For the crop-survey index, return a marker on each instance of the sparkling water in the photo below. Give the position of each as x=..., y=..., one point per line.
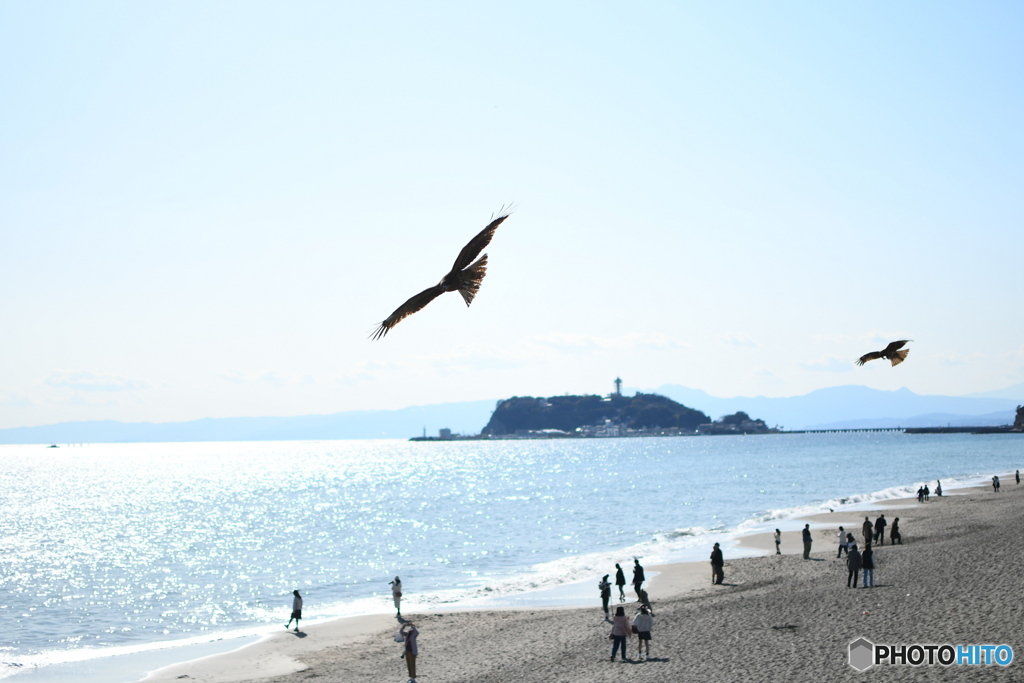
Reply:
x=121, y=547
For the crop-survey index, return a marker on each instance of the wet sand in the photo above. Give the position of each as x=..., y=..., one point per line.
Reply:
x=956, y=579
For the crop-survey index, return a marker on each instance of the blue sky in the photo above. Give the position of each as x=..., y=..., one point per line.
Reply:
x=206, y=207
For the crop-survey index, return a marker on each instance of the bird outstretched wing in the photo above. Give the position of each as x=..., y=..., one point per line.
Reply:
x=874, y=355
x=408, y=308
x=893, y=346
x=478, y=243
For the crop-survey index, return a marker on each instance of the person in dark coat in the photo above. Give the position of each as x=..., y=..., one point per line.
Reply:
x=894, y=533
x=853, y=563
x=867, y=562
x=638, y=576
x=867, y=529
x=717, y=566
x=606, y=594
x=880, y=525
x=620, y=581
x=807, y=541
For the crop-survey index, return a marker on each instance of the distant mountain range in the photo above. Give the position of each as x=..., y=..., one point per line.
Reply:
x=856, y=407
x=847, y=407
x=468, y=417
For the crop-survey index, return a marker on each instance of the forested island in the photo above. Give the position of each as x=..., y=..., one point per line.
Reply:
x=604, y=416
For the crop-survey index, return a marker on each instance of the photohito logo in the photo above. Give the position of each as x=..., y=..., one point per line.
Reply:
x=864, y=654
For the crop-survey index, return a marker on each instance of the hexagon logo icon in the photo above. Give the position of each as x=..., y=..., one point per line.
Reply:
x=862, y=654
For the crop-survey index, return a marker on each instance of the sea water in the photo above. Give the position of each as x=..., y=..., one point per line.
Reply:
x=119, y=548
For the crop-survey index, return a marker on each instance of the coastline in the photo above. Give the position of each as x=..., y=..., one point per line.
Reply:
x=806, y=596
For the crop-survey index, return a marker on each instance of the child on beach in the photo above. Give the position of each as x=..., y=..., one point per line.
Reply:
x=643, y=622
x=842, y=542
x=296, y=610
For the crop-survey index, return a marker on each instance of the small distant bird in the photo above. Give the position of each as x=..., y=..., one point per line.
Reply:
x=464, y=277
x=892, y=352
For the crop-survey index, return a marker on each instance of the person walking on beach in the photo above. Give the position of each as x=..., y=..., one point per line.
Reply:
x=995, y=483
x=621, y=629
x=867, y=562
x=880, y=525
x=778, y=542
x=717, y=566
x=606, y=594
x=396, y=594
x=867, y=529
x=842, y=542
x=643, y=622
x=920, y=494
x=807, y=541
x=853, y=563
x=296, y=610
x=409, y=632
x=927, y=493
x=620, y=581
x=938, y=488
x=638, y=576
x=894, y=533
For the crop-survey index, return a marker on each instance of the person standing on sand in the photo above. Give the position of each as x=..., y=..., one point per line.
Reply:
x=853, y=563
x=409, y=632
x=643, y=622
x=927, y=493
x=638, y=576
x=894, y=533
x=807, y=541
x=396, y=594
x=867, y=529
x=296, y=610
x=1018, y=477
x=920, y=494
x=995, y=483
x=621, y=629
x=880, y=525
x=842, y=542
x=620, y=581
x=717, y=566
x=778, y=542
x=606, y=594
x=867, y=561
x=938, y=488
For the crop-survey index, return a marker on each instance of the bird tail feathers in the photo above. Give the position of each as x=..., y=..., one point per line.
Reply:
x=471, y=278
x=899, y=356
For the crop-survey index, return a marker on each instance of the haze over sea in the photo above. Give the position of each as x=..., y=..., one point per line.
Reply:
x=115, y=548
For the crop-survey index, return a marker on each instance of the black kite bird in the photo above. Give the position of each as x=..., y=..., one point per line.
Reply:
x=464, y=277
x=892, y=352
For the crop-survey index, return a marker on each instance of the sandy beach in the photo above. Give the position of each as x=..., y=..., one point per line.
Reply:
x=956, y=579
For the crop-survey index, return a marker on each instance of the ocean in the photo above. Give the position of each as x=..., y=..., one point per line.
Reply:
x=112, y=552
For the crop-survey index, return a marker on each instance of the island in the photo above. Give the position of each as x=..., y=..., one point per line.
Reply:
x=593, y=416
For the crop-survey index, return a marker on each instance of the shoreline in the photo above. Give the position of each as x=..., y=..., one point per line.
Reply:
x=268, y=657
x=671, y=583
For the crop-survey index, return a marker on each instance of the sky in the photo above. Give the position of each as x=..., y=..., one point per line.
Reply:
x=206, y=208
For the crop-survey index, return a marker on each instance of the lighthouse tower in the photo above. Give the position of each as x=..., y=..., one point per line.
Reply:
x=618, y=387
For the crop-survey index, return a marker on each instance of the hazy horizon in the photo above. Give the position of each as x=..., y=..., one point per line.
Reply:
x=208, y=208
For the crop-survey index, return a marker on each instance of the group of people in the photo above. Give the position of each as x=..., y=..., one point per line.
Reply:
x=622, y=627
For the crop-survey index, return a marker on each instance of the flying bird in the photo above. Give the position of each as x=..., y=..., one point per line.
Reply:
x=892, y=352
x=464, y=277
